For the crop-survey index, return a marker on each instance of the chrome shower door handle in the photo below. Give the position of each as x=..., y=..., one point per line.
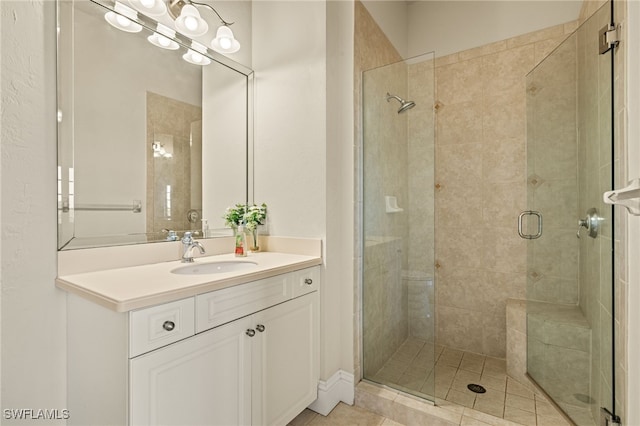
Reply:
x=530, y=236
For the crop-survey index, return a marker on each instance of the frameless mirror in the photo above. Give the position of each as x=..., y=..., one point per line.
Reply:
x=148, y=143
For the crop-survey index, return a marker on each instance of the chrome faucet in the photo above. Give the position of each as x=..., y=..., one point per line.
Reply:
x=188, y=244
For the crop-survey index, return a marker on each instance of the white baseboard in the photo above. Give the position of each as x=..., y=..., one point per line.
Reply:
x=339, y=387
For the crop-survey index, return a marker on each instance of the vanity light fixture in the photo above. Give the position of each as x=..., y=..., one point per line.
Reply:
x=163, y=38
x=197, y=54
x=189, y=22
x=186, y=20
x=123, y=18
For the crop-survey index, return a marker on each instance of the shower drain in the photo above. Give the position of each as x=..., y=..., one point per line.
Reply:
x=476, y=388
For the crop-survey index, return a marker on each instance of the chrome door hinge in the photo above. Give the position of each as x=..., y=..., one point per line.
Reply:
x=607, y=418
x=609, y=38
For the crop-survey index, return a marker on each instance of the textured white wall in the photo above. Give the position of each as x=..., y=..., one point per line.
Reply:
x=340, y=207
x=290, y=125
x=33, y=310
x=304, y=146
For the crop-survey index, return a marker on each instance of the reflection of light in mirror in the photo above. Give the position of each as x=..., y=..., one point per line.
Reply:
x=122, y=18
x=196, y=58
x=159, y=151
x=163, y=38
x=167, y=208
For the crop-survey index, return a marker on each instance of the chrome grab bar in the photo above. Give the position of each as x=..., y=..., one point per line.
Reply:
x=530, y=236
x=135, y=207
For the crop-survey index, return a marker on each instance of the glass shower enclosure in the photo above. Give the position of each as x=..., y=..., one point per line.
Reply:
x=569, y=278
x=398, y=226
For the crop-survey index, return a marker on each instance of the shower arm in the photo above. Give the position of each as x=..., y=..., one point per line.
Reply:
x=389, y=96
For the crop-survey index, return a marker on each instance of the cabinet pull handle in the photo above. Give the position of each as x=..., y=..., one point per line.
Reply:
x=308, y=281
x=250, y=332
x=260, y=328
x=169, y=325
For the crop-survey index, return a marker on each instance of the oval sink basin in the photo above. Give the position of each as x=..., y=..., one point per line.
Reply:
x=214, y=267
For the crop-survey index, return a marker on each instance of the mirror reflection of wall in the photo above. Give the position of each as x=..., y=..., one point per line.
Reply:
x=114, y=71
x=133, y=128
x=174, y=162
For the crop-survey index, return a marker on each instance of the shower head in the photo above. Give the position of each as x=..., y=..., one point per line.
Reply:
x=404, y=105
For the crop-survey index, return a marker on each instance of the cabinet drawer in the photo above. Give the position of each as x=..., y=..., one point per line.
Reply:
x=221, y=306
x=306, y=280
x=151, y=328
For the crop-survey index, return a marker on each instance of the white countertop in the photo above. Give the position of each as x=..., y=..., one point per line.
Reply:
x=135, y=287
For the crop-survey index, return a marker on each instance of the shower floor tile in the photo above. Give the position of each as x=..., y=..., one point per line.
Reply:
x=412, y=368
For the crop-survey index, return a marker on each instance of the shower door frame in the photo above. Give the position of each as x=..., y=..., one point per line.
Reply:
x=605, y=413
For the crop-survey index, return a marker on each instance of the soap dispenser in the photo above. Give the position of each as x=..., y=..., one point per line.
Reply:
x=205, y=228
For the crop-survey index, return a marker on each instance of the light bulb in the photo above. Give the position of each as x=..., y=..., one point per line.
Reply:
x=225, y=43
x=149, y=7
x=191, y=23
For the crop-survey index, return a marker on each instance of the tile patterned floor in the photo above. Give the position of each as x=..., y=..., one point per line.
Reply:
x=412, y=368
x=342, y=415
x=505, y=402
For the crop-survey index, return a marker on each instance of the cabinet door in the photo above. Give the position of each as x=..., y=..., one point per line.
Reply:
x=285, y=360
x=202, y=380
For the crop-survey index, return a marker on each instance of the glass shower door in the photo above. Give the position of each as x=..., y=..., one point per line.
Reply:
x=398, y=226
x=569, y=278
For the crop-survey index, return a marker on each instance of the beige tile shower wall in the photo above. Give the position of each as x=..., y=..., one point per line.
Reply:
x=385, y=318
x=371, y=49
x=552, y=168
x=385, y=325
x=177, y=125
x=421, y=163
x=481, y=187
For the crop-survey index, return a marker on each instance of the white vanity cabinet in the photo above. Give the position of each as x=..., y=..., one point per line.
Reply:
x=249, y=356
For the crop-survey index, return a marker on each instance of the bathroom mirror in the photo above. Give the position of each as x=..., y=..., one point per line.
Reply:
x=148, y=143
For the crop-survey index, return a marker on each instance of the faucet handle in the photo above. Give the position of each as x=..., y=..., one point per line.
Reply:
x=187, y=238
